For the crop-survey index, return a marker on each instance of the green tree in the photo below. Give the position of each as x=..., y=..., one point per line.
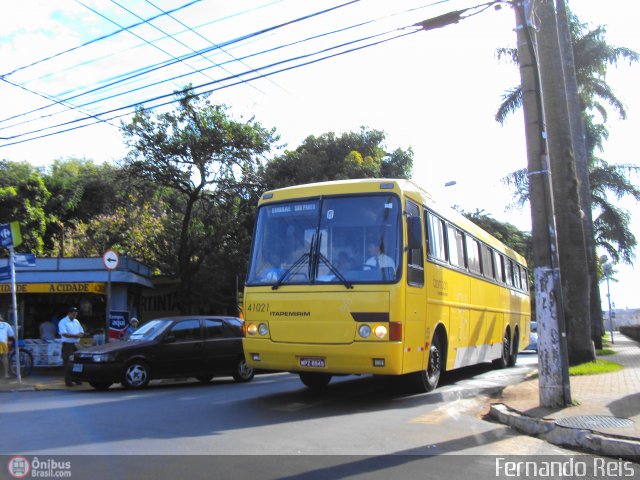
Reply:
x=23, y=197
x=202, y=155
x=80, y=190
x=507, y=233
x=593, y=55
x=332, y=157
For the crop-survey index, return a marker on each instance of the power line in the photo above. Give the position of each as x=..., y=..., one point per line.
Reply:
x=233, y=77
x=207, y=40
x=161, y=97
x=184, y=57
x=120, y=30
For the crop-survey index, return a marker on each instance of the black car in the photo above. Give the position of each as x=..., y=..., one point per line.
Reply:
x=171, y=347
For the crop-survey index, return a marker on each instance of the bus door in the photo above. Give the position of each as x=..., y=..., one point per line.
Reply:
x=416, y=301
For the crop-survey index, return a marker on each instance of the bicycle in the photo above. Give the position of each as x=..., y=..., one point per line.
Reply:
x=26, y=361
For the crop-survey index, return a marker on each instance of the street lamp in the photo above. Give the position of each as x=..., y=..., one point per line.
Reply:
x=607, y=272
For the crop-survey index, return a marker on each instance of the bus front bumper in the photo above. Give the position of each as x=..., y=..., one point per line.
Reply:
x=375, y=358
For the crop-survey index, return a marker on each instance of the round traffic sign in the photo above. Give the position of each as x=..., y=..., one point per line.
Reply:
x=110, y=259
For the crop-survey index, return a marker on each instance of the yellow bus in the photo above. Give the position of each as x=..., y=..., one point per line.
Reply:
x=373, y=277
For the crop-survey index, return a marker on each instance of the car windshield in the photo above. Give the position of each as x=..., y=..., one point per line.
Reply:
x=150, y=330
x=341, y=240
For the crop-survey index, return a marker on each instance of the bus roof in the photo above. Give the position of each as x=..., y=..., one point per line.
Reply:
x=399, y=186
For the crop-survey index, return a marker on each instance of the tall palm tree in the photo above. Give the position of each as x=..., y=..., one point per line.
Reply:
x=593, y=55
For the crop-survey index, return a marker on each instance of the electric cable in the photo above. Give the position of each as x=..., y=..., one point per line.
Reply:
x=172, y=62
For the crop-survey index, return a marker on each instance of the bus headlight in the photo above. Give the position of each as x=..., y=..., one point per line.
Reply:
x=252, y=329
x=263, y=329
x=364, y=331
x=380, y=331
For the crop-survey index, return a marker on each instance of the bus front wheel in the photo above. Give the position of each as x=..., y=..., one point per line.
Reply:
x=315, y=380
x=427, y=380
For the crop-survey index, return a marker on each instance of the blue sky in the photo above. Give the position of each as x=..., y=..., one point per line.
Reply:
x=435, y=91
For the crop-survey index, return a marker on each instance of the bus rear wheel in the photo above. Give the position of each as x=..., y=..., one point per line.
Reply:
x=503, y=361
x=427, y=380
x=314, y=380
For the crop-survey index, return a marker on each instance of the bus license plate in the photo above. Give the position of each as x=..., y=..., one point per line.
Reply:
x=77, y=367
x=312, y=362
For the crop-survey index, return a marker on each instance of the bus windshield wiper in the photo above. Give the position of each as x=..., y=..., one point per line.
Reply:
x=335, y=270
x=292, y=269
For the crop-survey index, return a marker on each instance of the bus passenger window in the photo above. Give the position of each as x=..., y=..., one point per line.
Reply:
x=499, y=267
x=525, y=279
x=435, y=234
x=456, y=246
x=509, y=273
x=487, y=262
x=473, y=255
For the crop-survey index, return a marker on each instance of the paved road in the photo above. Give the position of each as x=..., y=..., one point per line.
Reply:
x=275, y=415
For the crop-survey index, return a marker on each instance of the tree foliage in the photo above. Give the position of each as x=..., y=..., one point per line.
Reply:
x=201, y=154
x=23, y=197
x=593, y=55
x=338, y=157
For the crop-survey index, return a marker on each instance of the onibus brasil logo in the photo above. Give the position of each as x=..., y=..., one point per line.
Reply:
x=21, y=467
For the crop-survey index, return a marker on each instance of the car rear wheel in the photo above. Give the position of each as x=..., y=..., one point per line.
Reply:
x=243, y=372
x=136, y=374
x=204, y=378
x=315, y=380
x=100, y=385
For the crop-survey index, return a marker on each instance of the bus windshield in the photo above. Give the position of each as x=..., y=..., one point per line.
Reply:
x=343, y=240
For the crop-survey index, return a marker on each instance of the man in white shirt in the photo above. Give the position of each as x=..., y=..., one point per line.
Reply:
x=378, y=259
x=6, y=334
x=71, y=332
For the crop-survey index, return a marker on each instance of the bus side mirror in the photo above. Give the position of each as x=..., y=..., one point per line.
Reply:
x=414, y=233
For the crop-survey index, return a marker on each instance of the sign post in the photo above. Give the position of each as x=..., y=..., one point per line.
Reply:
x=10, y=237
x=110, y=259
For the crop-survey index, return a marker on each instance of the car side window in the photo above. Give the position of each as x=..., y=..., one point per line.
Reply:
x=186, y=330
x=213, y=328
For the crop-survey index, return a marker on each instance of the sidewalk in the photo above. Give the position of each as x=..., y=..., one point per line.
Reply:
x=605, y=419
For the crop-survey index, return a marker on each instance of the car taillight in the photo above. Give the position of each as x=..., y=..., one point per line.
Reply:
x=395, y=331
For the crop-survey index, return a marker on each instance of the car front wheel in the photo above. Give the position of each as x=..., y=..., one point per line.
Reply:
x=136, y=374
x=243, y=372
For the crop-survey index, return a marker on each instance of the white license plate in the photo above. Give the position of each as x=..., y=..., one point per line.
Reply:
x=312, y=362
x=77, y=367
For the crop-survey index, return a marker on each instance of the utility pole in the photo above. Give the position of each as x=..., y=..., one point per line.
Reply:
x=555, y=389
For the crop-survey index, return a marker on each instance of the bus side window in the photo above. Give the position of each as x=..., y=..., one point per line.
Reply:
x=525, y=279
x=473, y=255
x=456, y=246
x=435, y=237
x=488, y=266
x=499, y=267
x=415, y=260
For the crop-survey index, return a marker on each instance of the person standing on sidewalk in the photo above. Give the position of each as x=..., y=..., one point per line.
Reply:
x=6, y=334
x=71, y=332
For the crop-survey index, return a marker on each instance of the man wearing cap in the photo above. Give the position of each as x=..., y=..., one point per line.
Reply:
x=71, y=332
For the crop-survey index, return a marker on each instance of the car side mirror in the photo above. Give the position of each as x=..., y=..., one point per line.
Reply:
x=169, y=339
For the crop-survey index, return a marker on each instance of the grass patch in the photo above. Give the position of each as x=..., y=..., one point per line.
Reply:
x=605, y=351
x=594, y=368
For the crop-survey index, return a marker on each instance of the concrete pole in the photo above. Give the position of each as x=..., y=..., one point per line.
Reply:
x=552, y=354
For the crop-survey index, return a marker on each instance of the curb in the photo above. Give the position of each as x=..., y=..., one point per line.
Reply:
x=584, y=439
